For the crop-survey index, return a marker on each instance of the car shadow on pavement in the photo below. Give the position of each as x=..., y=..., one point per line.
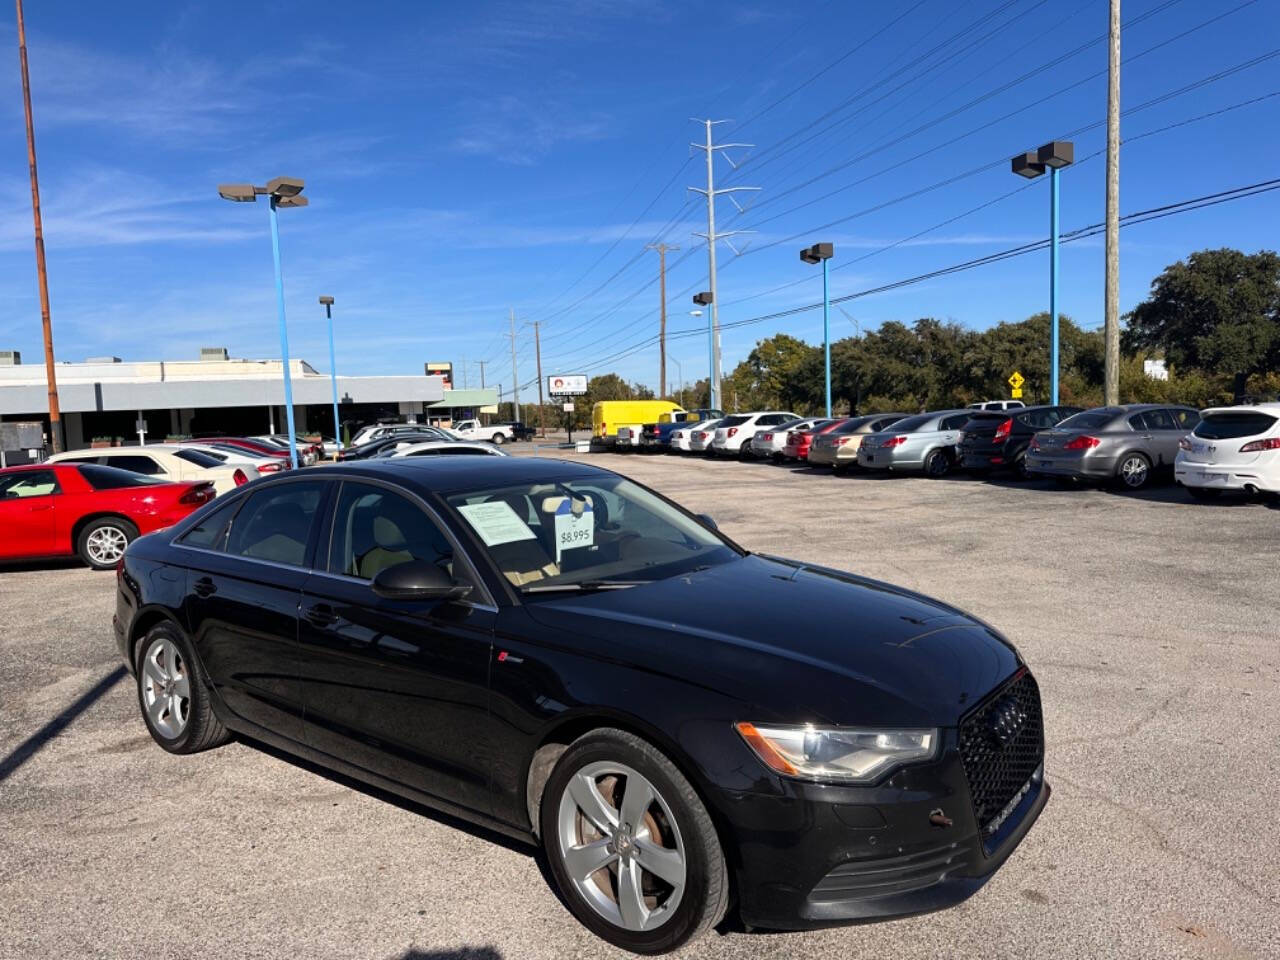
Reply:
x=29, y=747
x=456, y=953
x=33, y=566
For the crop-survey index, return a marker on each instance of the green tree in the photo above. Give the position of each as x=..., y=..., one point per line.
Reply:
x=1217, y=311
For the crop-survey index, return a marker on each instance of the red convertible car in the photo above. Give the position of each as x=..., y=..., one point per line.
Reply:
x=59, y=510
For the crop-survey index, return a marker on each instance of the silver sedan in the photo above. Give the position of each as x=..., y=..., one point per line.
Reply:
x=925, y=443
x=1126, y=443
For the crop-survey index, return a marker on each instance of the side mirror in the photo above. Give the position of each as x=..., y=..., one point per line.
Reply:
x=708, y=521
x=417, y=580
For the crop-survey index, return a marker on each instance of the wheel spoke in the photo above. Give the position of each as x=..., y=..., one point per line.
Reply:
x=181, y=686
x=583, y=861
x=594, y=807
x=155, y=710
x=636, y=797
x=631, y=897
x=663, y=863
x=153, y=671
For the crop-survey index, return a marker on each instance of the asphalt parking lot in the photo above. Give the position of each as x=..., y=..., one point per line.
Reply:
x=1151, y=623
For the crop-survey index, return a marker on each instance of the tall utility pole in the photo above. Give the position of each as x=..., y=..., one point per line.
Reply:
x=711, y=237
x=50, y=372
x=515, y=375
x=537, y=350
x=662, y=249
x=1111, y=317
x=482, y=363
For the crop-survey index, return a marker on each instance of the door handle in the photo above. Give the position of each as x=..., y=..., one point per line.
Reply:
x=321, y=615
x=204, y=587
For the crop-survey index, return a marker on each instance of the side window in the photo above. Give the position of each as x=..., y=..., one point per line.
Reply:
x=275, y=524
x=1186, y=419
x=1160, y=420
x=28, y=483
x=375, y=528
x=135, y=463
x=1139, y=422
x=954, y=423
x=84, y=459
x=211, y=532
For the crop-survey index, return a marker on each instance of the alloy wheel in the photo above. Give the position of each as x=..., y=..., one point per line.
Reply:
x=1133, y=471
x=106, y=545
x=621, y=847
x=166, y=688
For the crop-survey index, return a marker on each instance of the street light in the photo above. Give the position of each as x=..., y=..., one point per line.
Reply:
x=821, y=253
x=280, y=192
x=1055, y=156
x=703, y=299
x=333, y=373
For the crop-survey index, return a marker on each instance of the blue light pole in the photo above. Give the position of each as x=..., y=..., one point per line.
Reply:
x=333, y=373
x=280, y=192
x=822, y=252
x=1053, y=156
x=705, y=299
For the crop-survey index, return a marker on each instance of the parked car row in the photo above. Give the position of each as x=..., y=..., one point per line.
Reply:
x=1206, y=451
x=93, y=503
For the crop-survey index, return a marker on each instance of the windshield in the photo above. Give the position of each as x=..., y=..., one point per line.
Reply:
x=592, y=532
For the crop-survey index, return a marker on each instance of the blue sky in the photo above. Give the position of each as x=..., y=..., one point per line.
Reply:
x=466, y=159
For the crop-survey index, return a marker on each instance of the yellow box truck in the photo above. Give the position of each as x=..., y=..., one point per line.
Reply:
x=608, y=416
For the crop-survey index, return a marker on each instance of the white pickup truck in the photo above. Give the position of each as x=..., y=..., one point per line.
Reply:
x=473, y=430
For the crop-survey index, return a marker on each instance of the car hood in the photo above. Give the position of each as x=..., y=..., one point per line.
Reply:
x=794, y=642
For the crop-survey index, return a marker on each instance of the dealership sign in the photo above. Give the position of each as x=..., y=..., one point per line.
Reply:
x=567, y=385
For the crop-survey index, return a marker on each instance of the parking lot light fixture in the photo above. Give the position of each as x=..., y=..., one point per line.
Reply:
x=327, y=303
x=280, y=192
x=822, y=253
x=1053, y=156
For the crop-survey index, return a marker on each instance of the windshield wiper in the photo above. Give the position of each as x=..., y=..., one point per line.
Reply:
x=583, y=586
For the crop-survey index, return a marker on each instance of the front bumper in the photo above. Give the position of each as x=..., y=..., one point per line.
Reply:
x=826, y=855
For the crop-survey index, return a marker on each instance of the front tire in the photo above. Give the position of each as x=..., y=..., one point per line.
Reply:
x=630, y=845
x=173, y=693
x=102, y=543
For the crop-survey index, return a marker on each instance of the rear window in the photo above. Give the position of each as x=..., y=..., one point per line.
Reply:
x=851, y=426
x=1228, y=426
x=198, y=457
x=1089, y=420
x=111, y=478
x=911, y=424
x=733, y=421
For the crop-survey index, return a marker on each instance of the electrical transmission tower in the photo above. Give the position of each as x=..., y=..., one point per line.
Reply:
x=662, y=249
x=711, y=237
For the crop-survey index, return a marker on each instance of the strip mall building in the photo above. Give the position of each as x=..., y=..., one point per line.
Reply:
x=104, y=397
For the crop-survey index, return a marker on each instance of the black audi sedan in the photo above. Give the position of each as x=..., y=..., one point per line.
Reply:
x=556, y=652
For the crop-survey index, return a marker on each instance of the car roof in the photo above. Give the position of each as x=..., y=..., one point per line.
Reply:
x=1270, y=408
x=451, y=474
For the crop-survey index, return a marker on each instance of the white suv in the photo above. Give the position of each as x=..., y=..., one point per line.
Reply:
x=1231, y=448
x=734, y=430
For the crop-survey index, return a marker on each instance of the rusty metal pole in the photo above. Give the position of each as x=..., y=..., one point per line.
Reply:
x=55, y=414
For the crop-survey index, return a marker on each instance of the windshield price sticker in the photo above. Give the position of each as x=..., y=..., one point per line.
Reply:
x=575, y=525
x=496, y=522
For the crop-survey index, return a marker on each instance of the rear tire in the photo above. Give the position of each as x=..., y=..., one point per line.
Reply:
x=1133, y=471
x=1020, y=470
x=102, y=542
x=602, y=778
x=173, y=694
x=499, y=439
x=937, y=464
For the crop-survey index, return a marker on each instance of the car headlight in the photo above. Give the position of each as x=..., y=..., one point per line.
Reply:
x=837, y=753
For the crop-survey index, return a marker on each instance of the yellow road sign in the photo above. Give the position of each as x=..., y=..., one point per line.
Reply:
x=1016, y=381
x=1017, y=393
